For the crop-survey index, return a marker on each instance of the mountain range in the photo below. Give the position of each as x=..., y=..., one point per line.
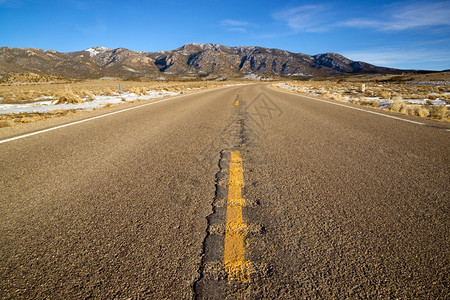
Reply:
x=190, y=60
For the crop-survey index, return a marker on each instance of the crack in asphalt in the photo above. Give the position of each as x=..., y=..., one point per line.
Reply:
x=197, y=287
x=212, y=278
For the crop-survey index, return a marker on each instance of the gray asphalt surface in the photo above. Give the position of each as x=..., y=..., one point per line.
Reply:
x=340, y=203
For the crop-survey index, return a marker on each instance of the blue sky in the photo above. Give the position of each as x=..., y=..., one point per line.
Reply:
x=399, y=34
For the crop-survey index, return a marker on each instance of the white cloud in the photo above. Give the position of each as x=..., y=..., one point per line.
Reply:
x=235, y=25
x=395, y=17
x=407, y=16
x=401, y=58
x=309, y=18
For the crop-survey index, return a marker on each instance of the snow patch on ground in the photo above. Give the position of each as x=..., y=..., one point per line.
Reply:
x=98, y=102
x=252, y=76
x=289, y=87
x=313, y=92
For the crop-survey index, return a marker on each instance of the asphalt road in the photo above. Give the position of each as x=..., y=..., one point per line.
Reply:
x=336, y=202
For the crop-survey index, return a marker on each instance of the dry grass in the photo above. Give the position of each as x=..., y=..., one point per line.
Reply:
x=11, y=93
x=397, y=104
x=6, y=123
x=108, y=92
x=375, y=103
x=69, y=98
x=382, y=89
x=337, y=97
x=385, y=95
x=81, y=91
x=138, y=90
x=87, y=95
x=30, y=78
x=8, y=120
x=438, y=111
x=423, y=111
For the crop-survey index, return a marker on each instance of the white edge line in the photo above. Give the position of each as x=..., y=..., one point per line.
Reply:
x=101, y=116
x=351, y=107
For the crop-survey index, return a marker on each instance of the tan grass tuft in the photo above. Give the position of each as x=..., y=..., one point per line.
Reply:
x=69, y=98
x=375, y=103
x=422, y=111
x=138, y=90
x=385, y=95
x=397, y=104
x=438, y=111
x=6, y=123
x=336, y=96
x=108, y=92
x=86, y=94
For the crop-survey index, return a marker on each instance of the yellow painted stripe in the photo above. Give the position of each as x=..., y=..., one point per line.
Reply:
x=236, y=266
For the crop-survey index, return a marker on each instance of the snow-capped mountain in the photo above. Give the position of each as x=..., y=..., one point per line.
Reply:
x=97, y=50
x=219, y=59
x=189, y=60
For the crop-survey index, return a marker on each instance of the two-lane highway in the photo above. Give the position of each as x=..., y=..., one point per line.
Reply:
x=239, y=192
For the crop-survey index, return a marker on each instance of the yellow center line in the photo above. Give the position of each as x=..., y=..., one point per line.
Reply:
x=236, y=266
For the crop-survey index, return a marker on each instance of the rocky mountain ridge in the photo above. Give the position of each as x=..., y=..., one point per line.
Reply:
x=191, y=60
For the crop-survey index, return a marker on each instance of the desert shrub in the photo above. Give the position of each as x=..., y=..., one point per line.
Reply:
x=404, y=109
x=397, y=104
x=413, y=110
x=438, y=111
x=326, y=94
x=385, y=95
x=108, y=92
x=365, y=101
x=423, y=111
x=143, y=91
x=70, y=98
x=137, y=90
x=337, y=97
x=86, y=95
x=444, y=96
x=133, y=90
x=375, y=103
x=8, y=99
x=323, y=90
